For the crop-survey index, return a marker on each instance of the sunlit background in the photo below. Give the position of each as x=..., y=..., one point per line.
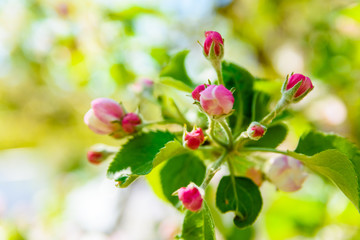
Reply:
x=57, y=55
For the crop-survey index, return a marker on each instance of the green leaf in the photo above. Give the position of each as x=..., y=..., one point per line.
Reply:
x=179, y=85
x=243, y=81
x=315, y=142
x=198, y=225
x=137, y=156
x=274, y=136
x=337, y=167
x=176, y=69
x=170, y=150
x=178, y=172
x=241, y=195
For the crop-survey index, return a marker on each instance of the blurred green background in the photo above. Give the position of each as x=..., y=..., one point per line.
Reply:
x=56, y=56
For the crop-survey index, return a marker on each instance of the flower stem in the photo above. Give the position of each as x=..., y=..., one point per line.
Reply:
x=218, y=69
x=213, y=169
x=280, y=106
x=182, y=117
x=227, y=129
x=232, y=176
x=257, y=149
x=212, y=134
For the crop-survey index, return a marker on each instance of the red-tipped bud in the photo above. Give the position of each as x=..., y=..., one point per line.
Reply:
x=287, y=173
x=295, y=89
x=212, y=37
x=256, y=131
x=196, y=93
x=129, y=122
x=104, y=115
x=255, y=175
x=95, y=157
x=191, y=197
x=216, y=100
x=100, y=153
x=194, y=138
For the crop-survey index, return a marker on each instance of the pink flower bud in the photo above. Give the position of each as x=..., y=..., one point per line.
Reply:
x=305, y=86
x=287, y=173
x=102, y=117
x=194, y=138
x=216, y=100
x=255, y=175
x=256, y=131
x=213, y=37
x=130, y=121
x=190, y=197
x=196, y=93
x=95, y=157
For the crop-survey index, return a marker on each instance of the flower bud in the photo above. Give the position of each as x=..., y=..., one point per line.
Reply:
x=216, y=100
x=196, y=93
x=194, y=138
x=256, y=131
x=287, y=173
x=213, y=45
x=297, y=86
x=104, y=116
x=95, y=157
x=129, y=122
x=190, y=197
x=99, y=153
x=255, y=175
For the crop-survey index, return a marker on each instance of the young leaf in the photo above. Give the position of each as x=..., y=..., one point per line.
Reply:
x=240, y=195
x=137, y=156
x=198, y=225
x=315, y=142
x=179, y=171
x=179, y=85
x=337, y=167
x=243, y=81
x=176, y=69
x=274, y=136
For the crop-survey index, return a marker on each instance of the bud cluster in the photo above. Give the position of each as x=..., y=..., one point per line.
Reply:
x=107, y=116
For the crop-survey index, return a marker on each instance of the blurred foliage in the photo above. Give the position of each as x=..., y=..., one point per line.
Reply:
x=56, y=56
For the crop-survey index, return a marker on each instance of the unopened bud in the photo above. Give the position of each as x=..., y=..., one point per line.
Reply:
x=129, y=122
x=296, y=87
x=213, y=45
x=104, y=116
x=194, y=138
x=100, y=153
x=196, y=93
x=256, y=131
x=287, y=173
x=190, y=197
x=216, y=100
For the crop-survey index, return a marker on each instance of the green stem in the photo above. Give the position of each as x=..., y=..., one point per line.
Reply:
x=257, y=149
x=183, y=119
x=145, y=124
x=212, y=134
x=232, y=176
x=240, y=140
x=213, y=169
x=227, y=129
x=218, y=69
x=280, y=106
